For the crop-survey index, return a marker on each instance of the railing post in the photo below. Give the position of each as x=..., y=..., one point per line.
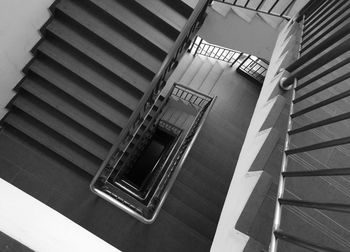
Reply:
x=240, y=55
x=194, y=41
x=200, y=42
x=240, y=65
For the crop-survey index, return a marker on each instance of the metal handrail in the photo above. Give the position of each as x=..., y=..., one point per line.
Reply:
x=202, y=47
x=256, y=68
x=259, y=8
x=126, y=201
x=337, y=44
x=144, y=107
x=182, y=153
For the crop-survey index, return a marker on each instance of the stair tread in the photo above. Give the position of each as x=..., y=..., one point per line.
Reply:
x=199, y=186
x=114, y=63
x=189, y=217
x=182, y=119
x=191, y=198
x=54, y=142
x=165, y=12
x=200, y=76
x=73, y=108
x=152, y=18
x=211, y=79
x=191, y=71
x=109, y=32
x=135, y=22
x=61, y=81
x=212, y=179
x=110, y=85
x=180, y=6
x=62, y=125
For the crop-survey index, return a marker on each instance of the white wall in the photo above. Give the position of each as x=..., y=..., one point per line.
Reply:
x=21, y=216
x=20, y=21
x=256, y=37
x=41, y=228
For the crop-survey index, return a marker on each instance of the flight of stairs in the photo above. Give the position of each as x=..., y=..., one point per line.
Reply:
x=199, y=73
x=327, y=229
x=249, y=15
x=179, y=113
x=89, y=71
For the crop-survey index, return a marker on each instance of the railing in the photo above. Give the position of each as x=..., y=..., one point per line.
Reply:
x=126, y=200
x=254, y=67
x=272, y=9
x=249, y=65
x=140, y=114
x=202, y=47
x=195, y=98
x=325, y=37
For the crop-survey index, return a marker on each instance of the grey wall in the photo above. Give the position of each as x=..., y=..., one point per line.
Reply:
x=20, y=21
x=256, y=37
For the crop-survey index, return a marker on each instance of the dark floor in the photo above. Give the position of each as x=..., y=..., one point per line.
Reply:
x=60, y=185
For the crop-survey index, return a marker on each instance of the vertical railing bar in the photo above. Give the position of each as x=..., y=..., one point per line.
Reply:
x=260, y=4
x=288, y=6
x=319, y=30
x=273, y=6
x=322, y=19
x=195, y=52
x=281, y=183
x=193, y=43
x=240, y=55
x=316, y=11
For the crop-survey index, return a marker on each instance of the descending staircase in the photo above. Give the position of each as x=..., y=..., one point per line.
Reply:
x=199, y=73
x=91, y=68
x=272, y=12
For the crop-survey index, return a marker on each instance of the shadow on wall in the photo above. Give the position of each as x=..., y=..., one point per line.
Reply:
x=20, y=21
x=256, y=38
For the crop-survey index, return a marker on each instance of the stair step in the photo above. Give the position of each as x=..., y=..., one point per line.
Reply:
x=196, y=201
x=165, y=12
x=180, y=7
x=72, y=108
x=191, y=3
x=189, y=217
x=211, y=79
x=175, y=116
x=191, y=71
x=181, y=120
x=316, y=226
x=117, y=63
x=134, y=22
x=62, y=125
x=110, y=32
x=213, y=195
x=74, y=87
x=200, y=76
x=167, y=114
x=153, y=18
x=274, y=22
x=183, y=65
x=212, y=179
x=246, y=15
x=189, y=121
x=53, y=141
x=92, y=73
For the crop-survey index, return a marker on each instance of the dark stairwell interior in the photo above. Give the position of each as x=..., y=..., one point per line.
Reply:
x=90, y=70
